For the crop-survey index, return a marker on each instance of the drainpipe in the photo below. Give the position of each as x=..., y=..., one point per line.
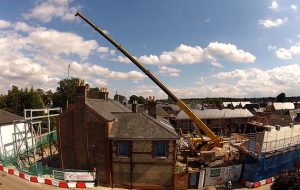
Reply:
x=131, y=165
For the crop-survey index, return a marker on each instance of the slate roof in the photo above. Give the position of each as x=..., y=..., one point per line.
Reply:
x=6, y=117
x=105, y=108
x=217, y=114
x=141, y=126
x=283, y=106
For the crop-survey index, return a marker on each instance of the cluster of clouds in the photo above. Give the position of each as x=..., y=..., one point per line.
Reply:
x=251, y=82
x=47, y=10
x=40, y=56
x=276, y=22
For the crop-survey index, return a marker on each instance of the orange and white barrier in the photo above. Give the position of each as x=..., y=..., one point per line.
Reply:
x=35, y=179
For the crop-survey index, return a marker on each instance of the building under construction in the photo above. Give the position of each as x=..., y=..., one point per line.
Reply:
x=270, y=152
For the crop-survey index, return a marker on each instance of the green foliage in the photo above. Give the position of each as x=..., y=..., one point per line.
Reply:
x=280, y=97
x=139, y=99
x=17, y=100
x=66, y=92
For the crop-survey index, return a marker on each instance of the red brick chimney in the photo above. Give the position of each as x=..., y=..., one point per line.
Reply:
x=81, y=92
x=151, y=105
x=103, y=94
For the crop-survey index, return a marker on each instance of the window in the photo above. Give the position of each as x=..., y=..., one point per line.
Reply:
x=160, y=149
x=123, y=148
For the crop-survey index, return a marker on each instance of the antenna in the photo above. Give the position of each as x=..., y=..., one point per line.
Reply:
x=69, y=66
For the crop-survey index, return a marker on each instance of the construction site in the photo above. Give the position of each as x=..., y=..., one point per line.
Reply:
x=175, y=145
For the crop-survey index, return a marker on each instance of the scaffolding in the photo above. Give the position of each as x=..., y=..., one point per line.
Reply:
x=30, y=138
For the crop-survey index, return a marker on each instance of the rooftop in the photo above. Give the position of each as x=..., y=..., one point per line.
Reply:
x=217, y=114
x=141, y=126
x=7, y=118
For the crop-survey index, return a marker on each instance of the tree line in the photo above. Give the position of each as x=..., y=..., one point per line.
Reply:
x=17, y=99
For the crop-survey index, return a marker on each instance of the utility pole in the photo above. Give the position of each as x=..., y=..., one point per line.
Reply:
x=68, y=80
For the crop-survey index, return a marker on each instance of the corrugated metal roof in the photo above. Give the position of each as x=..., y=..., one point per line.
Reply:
x=140, y=126
x=105, y=108
x=283, y=106
x=6, y=117
x=217, y=114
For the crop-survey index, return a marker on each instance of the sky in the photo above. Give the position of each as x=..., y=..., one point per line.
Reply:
x=207, y=48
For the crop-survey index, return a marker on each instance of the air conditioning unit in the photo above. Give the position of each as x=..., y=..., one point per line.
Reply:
x=277, y=127
x=291, y=125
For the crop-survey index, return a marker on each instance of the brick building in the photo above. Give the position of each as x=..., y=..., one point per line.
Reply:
x=126, y=149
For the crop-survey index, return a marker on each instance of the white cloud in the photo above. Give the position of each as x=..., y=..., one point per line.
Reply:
x=230, y=52
x=257, y=82
x=4, y=24
x=181, y=55
x=271, y=47
x=282, y=53
x=252, y=82
x=56, y=42
x=269, y=23
x=103, y=49
x=274, y=5
x=185, y=54
x=164, y=70
x=45, y=11
x=294, y=7
x=39, y=57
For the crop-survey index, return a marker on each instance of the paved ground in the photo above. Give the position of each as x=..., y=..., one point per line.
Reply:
x=10, y=182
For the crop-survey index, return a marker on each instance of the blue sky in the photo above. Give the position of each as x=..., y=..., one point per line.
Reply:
x=247, y=48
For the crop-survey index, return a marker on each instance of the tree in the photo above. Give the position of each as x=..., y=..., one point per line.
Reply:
x=17, y=100
x=66, y=92
x=280, y=97
x=139, y=99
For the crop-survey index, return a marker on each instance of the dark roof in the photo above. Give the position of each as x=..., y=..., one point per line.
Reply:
x=141, y=126
x=6, y=117
x=105, y=108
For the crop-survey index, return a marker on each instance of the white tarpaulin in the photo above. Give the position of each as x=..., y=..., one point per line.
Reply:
x=215, y=176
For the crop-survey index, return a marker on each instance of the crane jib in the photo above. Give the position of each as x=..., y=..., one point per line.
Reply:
x=215, y=140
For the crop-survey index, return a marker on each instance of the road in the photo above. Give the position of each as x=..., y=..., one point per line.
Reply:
x=11, y=182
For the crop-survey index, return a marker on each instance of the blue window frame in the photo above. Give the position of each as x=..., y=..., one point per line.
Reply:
x=123, y=148
x=160, y=149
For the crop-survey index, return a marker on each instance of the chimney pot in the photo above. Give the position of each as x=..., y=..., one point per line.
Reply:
x=103, y=94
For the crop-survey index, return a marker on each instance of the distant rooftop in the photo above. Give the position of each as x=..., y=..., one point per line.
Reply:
x=218, y=114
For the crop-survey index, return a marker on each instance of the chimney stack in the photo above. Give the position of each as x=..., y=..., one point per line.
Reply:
x=81, y=92
x=103, y=94
x=151, y=104
x=134, y=106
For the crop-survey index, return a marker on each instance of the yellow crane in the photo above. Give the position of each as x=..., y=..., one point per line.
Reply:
x=214, y=141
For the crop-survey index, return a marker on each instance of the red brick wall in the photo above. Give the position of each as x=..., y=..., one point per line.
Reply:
x=79, y=129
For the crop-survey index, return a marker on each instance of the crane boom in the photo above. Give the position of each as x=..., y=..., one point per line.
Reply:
x=216, y=141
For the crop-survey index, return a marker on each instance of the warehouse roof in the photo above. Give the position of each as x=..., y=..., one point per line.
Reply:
x=141, y=126
x=6, y=117
x=105, y=108
x=217, y=114
x=283, y=106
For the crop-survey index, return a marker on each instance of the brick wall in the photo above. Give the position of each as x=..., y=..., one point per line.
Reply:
x=147, y=171
x=82, y=141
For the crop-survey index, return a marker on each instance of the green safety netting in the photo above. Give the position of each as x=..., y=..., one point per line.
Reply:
x=10, y=158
